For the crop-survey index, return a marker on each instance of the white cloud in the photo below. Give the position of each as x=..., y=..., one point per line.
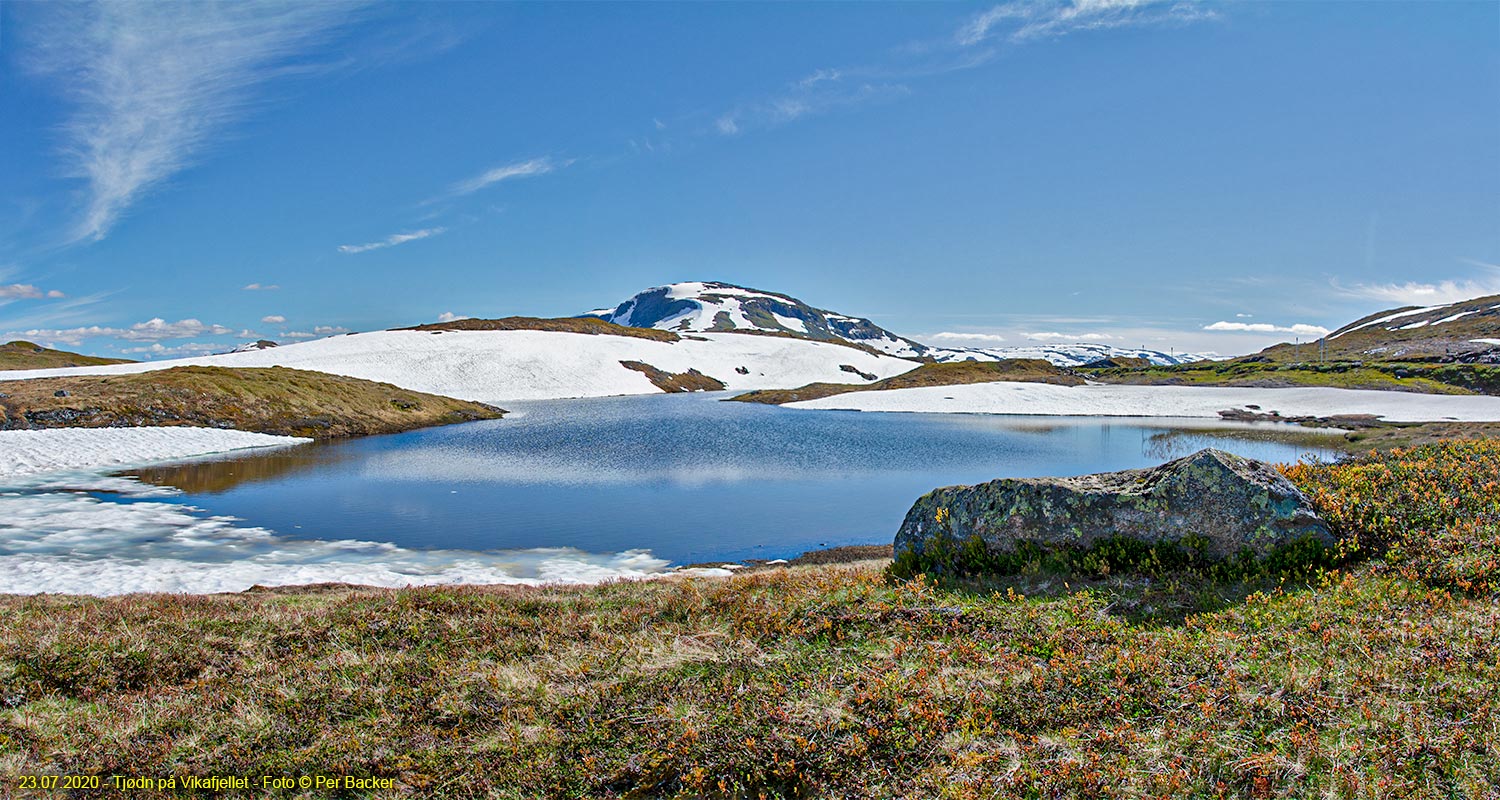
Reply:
x=392, y=240
x=1054, y=336
x=1413, y=293
x=951, y=336
x=25, y=291
x=72, y=336
x=260, y=287
x=152, y=84
x=321, y=330
x=727, y=125
x=246, y=333
x=520, y=169
x=190, y=349
x=158, y=328
x=1021, y=21
x=1266, y=327
x=273, y=319
x=449, y=316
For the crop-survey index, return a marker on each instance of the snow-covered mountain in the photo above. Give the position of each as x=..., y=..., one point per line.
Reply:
x=711, y=306
x=714, y=306
x=1065, y=355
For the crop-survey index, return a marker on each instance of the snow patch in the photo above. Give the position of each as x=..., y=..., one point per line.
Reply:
x=496, y=366
x=1163, y=401
x=34, y=451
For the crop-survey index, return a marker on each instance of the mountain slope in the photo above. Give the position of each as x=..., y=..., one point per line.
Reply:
x=723, y=307
x=25, y=355
x=1467, y=331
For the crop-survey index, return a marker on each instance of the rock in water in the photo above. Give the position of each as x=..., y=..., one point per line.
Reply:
x=1213, y=502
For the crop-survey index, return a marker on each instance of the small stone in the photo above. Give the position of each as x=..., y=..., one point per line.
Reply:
x=60, y=393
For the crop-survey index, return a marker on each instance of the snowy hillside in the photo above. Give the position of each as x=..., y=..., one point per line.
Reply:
x=1064, y=355
x=493, y=366
x=711, y=306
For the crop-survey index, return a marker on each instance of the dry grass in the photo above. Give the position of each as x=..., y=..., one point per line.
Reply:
x=585, y=325
x=826, y=681
x=1258, y=372
x=268, y=400
x=1029, y=370
x=671, y=382
x=25, y=355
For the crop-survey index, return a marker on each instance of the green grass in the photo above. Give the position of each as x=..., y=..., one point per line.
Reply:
x=1376, y=680
x=1394, y=376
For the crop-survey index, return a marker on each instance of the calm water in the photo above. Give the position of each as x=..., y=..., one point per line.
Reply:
x=690, y=478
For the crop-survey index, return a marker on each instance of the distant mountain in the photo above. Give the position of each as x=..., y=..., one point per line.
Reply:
x=716, y=307
x=1066, y=355
x=259, y=344
x=713, y=306
x=1463, y=331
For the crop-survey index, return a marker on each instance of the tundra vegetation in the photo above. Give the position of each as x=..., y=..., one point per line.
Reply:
x=277, y=400
x=26, y=355
x=1120, y=676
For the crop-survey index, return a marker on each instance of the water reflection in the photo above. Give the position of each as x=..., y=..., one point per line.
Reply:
x=687, y=477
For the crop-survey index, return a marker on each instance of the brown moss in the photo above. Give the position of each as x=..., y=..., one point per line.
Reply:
x=1027, y=370
x=26, y=355
x=690, y=381
x=267, y=400
x=586, y=325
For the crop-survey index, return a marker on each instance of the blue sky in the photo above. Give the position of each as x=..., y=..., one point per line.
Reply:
x=1131, y=172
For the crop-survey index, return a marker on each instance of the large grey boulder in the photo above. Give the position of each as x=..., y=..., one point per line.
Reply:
x=1217, y=503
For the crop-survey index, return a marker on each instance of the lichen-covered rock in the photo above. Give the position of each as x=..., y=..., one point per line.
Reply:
x=1217, y=503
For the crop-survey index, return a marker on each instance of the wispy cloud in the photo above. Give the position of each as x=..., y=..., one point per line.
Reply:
x=392, y=240
x=1266, y=327
x=506, y=172
x=153, y=84
x=1054, y=336
x=1416, y=293
x=952, y=336
x=25, y=291
x=260, y=287
x=449, y=316
x=1023, y=21
x=273, y=319
x=818, y=93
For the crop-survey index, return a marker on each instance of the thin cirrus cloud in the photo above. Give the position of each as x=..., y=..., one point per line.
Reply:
x=507, y=172
x=1266, y=327
x=392, y=240
x=1024, y=21
x=151, y=85
x=1415, y=293
x=974, y=43
x=260, y=287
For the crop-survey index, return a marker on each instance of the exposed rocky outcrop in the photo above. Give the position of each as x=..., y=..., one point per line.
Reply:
x=1214, y=503
x=690, y=381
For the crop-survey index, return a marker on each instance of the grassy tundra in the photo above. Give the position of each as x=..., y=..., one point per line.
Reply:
x=1378, y=679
